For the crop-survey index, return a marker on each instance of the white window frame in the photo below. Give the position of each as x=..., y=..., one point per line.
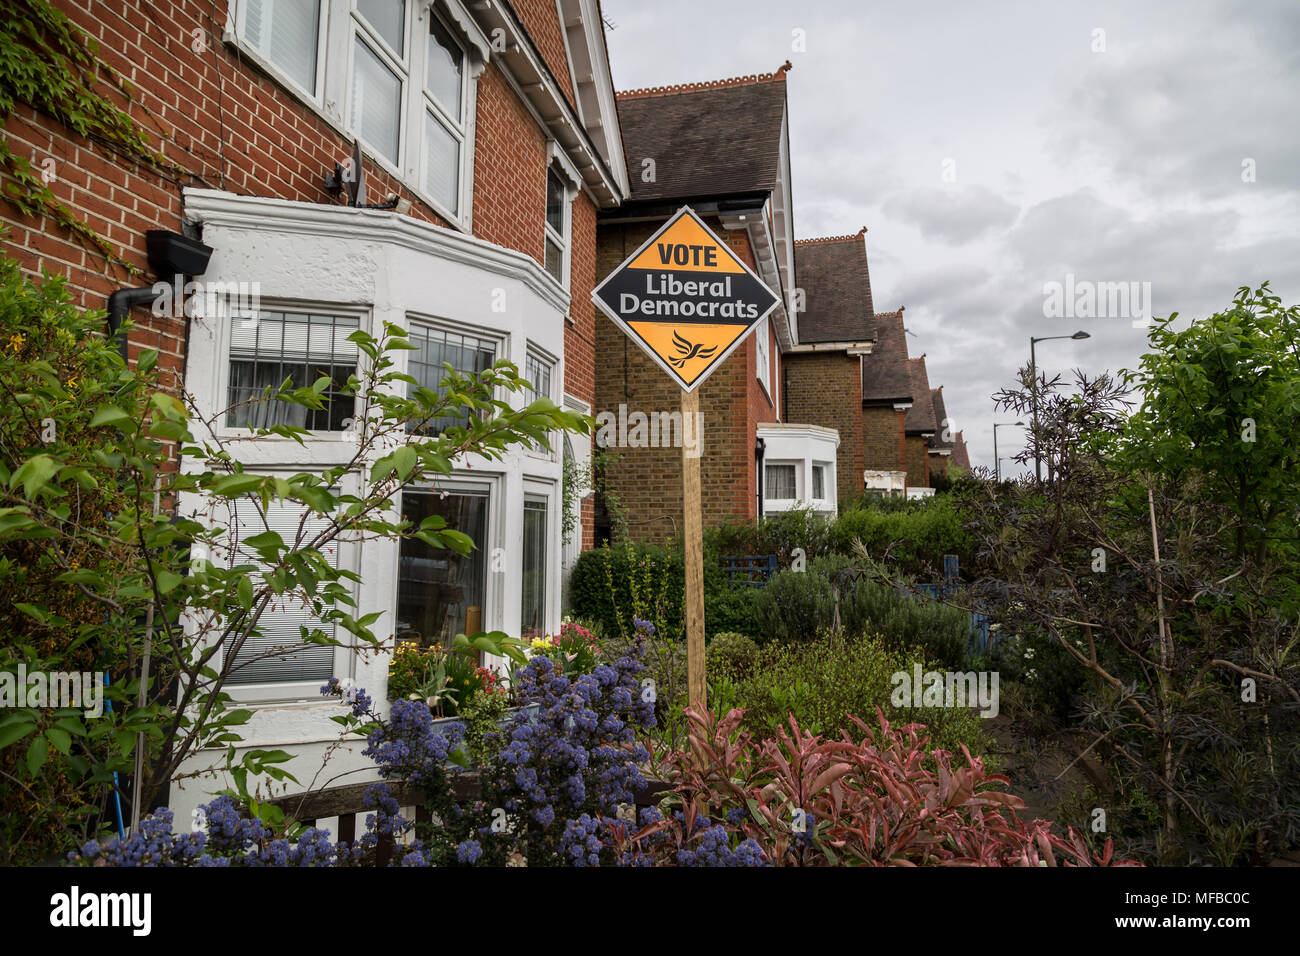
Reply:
x=535, y=351
x=225, y=329
x=345, y=658
x=341, y=25
x=763, y=357
x=812, y=477
x=559, y=163
x=460, y=483
x=792, y=463
x=497, y=337
x=236, y=26
x=534, y=488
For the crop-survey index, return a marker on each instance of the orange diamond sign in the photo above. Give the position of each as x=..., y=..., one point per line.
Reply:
x=685, y=298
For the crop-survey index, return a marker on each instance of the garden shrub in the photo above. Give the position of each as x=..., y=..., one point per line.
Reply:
x=792, y=606
x=827, y=682
x=779, y=533
x=915, y=538
x=796, y=605
x=613, y=584
x=735, y=653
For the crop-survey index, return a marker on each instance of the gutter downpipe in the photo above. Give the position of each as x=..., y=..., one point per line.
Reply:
x=120, y=304
x=760, y=447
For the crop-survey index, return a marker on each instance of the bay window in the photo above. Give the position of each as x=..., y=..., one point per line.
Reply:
x=532, y=617
x=272, y=346
x=277, y=653
x=780, y=482
x=435, y=348
x=441, y=593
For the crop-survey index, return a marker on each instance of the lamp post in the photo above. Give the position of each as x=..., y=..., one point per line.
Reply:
x=997, y=462
x=1033, y=392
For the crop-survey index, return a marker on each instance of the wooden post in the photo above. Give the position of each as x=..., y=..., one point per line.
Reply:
x=693, y=543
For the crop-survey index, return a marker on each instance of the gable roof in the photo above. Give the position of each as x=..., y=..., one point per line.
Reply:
x=940, y=420
x=837, y=289
x=960, y=455
x=920, y=417
x=681, y=127
x=885, y=375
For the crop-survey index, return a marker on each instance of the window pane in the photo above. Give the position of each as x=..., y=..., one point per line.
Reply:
x=441, y=163
x=779, y=482
x=538, y=372
x=819, y=481
x=266, y=350
x=276, y=653
x=533, y=617
x=439, y=592
x=465, y=353
x=555, y=203
x=376, y=101
x=554, y=259
x=286, y=32
x=446, y=67
x=388, y=18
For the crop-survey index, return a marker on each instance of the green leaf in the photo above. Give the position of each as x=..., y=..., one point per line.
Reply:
x=34, y=474
x=238, y=484
x=37, y=754
x=12, y=733
x=110, y=415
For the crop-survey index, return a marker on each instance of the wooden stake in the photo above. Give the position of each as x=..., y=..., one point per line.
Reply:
x=693, y=543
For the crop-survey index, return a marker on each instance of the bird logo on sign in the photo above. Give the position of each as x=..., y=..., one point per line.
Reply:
x=687, y=351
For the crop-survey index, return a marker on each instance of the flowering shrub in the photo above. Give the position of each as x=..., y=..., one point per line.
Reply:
x=228, y=838
x=881, y=801
x=575, y=648
x=445, y=679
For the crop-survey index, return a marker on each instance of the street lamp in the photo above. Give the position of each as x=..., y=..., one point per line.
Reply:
x=1033, y=391
x=997, y=462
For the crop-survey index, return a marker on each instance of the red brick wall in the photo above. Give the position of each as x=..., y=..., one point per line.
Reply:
x=226, y=125
x=509, y=170
x=825, y=388
x=580, y=336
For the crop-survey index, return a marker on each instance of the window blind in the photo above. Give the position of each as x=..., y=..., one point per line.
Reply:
x=286, y=32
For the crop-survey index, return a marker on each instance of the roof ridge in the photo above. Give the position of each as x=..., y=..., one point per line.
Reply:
x=898, y=314
x=706, y=84
x=813, y=241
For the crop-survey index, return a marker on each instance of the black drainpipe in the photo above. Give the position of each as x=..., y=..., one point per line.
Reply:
x=760, y=446
x=120, y=304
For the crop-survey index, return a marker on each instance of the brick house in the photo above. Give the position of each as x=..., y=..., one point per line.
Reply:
x=887, y=397
x=919, y=427
x=489, y=137
x=824, y=371
x=941, y=444
x=721, y=147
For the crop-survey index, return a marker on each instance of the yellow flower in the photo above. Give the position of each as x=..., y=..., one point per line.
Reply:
x=15, y=342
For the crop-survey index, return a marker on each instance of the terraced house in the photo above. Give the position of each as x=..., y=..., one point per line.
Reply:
x=487, y=140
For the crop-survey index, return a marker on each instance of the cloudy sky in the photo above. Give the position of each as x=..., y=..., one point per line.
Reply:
x=993, y=148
